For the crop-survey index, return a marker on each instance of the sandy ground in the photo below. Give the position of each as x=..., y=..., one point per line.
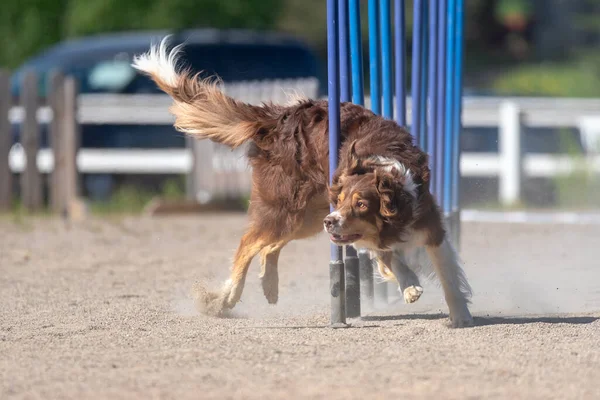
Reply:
x=101, y=310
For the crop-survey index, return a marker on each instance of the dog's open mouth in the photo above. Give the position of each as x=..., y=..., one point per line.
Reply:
x=344, y=239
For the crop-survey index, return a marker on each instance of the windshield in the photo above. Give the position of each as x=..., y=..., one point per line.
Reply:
x=111, y=72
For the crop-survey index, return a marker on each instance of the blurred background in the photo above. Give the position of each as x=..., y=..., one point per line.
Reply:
x=538, y=60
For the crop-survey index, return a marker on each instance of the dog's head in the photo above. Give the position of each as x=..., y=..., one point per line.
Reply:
x=375, y=201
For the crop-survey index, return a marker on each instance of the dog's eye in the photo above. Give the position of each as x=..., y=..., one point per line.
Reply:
x=361, y=205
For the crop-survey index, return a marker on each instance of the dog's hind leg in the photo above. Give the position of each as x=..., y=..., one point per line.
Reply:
x=269, y=274
x=215, y=303
x=408, y=282
x=252, y=242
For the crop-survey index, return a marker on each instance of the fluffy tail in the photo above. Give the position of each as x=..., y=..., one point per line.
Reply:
x=200, y=108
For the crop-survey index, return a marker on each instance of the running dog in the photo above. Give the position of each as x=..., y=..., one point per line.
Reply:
x=380, y=191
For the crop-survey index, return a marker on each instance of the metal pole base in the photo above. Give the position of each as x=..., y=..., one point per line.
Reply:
x=339, y=325
x=365, y=268
x=453, y=227
x=381, y=294
x=337, y=291
x=392, y=289
x=352, y=283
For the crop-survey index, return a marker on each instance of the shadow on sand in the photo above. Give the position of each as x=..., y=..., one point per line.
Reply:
x=492, y=320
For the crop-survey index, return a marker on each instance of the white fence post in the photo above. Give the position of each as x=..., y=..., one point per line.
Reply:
x=212, y=174
x=511, y=156
x=201, y=180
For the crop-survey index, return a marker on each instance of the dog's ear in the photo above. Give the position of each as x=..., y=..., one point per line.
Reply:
x=337, y=184
x=386, y=189
x=397, y=192
x=354, y=162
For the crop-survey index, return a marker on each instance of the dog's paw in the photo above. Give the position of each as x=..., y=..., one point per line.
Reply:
x=232, y=293
x=270, y=285
x=208, y=303
x=461, y=319
x=412, y=294
x=461, y=322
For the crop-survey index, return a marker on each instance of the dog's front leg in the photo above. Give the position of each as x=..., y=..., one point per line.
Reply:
x=391, y=264
x=454, y=282
x=408, y=282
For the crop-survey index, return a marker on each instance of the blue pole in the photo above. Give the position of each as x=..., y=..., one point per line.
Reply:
x=458, y=54
x=333, y=94
x=450, y=95
x=365, y=268
x=424, y=61
x=343, y=51
x=374, y=57
x=351, y=260
x=416, y=70
x=433, y=84
x=400, y=57
x=336, y=265
x=386, y=56
x=441, y=99
x=358, y=96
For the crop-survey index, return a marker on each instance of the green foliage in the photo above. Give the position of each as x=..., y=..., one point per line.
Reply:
x=132, y=199
x=578, y=78
x=508, y=7
x=581, y=188
x=28, y=26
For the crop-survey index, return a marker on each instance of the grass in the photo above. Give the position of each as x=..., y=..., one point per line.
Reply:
x=577, y=78
x=580, y=188
x=129, y=199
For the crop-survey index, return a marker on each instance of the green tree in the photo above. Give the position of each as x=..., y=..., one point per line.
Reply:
x=28, y=26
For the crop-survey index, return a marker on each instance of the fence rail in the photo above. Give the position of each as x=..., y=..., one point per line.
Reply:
x=214, y=170
x=479, y=111
x=180, y=161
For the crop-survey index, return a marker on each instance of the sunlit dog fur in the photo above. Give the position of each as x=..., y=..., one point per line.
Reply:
x=380, y=190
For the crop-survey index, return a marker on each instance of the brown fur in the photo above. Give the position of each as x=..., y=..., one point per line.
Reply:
x=288, y=152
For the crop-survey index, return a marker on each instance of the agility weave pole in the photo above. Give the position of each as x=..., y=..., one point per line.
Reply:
x=436, y=108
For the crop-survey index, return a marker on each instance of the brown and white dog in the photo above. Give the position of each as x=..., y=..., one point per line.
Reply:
x=380, y=190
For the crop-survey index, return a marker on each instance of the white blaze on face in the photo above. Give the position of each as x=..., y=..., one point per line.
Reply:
x=338, y=217
x=390, y=165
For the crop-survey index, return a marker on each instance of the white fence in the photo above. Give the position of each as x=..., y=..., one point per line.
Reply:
x=217, y=170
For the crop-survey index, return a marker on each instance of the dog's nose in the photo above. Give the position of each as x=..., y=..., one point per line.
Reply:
x=329, y=221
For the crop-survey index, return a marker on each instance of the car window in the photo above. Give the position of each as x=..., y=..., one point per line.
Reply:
x=109, y=71
x=110, y=76
x=250, y=62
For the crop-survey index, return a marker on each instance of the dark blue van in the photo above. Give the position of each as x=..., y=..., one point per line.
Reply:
x=101, y=64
